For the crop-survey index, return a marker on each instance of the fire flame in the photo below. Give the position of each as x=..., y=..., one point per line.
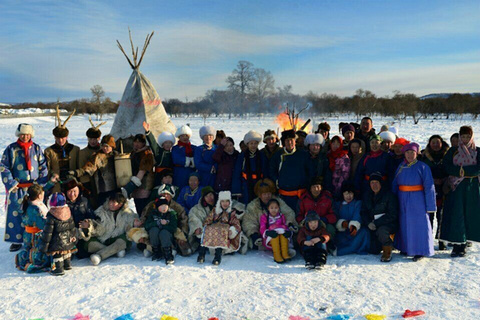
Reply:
x=284, y=123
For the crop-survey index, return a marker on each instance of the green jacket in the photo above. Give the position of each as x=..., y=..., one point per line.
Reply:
x=163, y=158
x=154, y=218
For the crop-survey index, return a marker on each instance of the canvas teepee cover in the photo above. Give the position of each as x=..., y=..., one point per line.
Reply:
x=140, y=102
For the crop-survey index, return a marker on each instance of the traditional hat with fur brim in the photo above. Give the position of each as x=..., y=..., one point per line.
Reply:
x=61, y=131
x=252, y=135
x=314, y=138
x=94, y=132
x=388, y=136
x=270, y=134
x=108, y=140
x=222, y=196
x=206, y=130
x=25, y=128
x=185, y=129
x=165, y=136
x=72, y=183
x=288, y=134
x=264, y=186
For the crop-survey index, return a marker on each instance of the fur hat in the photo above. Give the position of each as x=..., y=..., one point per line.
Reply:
x=61, y=131
x=411, y=146
x=160, y=202
x=108, y=140
x=347, y=128
x=206, y=190
x=72, y=183
x=24, y=128
x=393, y=130
x=387, y=136
x=376, y=176
x=466, y=130
x=185, y=129
x=314, y=138
x=263, y=186
x=94, y=131
x=58, y=199
x=323, y=126
x=165, y=136
x=166, y=188
x=220, y=134
x=288, y=134
x=270, y=134
x=252, y=135
x=223, y=195
x=206, y=130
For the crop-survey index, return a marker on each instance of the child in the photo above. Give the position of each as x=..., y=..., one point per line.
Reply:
x=222, y=229
x=59, y=234
x=30, y=259
x=275, y=232
x=350, y=238
x=312, y=239
x=162, y=151
x=161, y=225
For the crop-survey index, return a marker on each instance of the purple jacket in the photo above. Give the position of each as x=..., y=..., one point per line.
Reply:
x=226, y=164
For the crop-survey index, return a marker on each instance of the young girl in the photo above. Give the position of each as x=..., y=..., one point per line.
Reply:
x=312, y=239
x=350, y=238
x=58, y=238
x=30, y=259
x=275, y=233
x=162, y=150
x=339, y=164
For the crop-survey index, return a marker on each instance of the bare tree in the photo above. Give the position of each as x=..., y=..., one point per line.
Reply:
x=241, y=80
x=263, y=86
x=97, y=98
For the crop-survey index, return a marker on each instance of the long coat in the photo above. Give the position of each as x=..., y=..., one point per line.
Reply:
x=243, y=181
x=373, y=162
x=346, y=243
x=461, y=213
x=414, y=235
x=61, y=160
x=217, y=228
x=225, y=166
x=163, y=158
x=180, y=172
x=13, y=168
x=204, y=162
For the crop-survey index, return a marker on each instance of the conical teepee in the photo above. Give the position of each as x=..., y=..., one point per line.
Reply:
x=140, y=102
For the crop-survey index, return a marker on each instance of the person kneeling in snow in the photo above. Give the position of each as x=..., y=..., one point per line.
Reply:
x=313, y=238
x=161, y=224
x=222, y=230
x=106, y=235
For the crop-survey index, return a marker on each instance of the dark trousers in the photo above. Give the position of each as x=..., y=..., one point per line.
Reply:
x=438, y=215
x=315, y=253
x=380, y=238
x=140, y=204
x=160, y=238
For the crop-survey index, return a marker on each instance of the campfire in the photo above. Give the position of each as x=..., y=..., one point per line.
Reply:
x=289, y=119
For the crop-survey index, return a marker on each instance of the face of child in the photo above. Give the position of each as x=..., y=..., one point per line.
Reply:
x=229, y=147
x=208, y=139
x=349, y=135
x=313, y=225
x=355, y=148
x=167, y=145
x=374, y=145
x=167, y=180
x=397, y=149
x=410, y=156
x=163, y=208
x=273, y=209
x=225, y=204
x=348, y=196
x=114, y=205
x=335, y=145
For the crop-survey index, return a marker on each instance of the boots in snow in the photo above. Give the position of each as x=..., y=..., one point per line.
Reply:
x=441, y=246
x=156, y=255
x=463, y=250
x=15, y=247
x=201, y=255
x=321, y=259
x=67, y=263
x=58, y=271
x=387, y=254
x=218, y=257
x=417, y=258
x=309, y=261
x=277, y=252
x=459, y=250
x=169, y=259
x=284, y=247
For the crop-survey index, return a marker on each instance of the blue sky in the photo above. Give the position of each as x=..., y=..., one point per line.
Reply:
x=60, y=49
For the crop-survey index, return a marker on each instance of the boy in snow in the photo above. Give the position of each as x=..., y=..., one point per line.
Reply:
x=312, y=239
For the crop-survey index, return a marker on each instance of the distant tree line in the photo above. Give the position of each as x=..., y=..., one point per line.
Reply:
x=252, y=90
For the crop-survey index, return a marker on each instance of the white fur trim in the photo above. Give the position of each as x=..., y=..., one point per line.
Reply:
x=252, y=135
x=25, y=128
x=233, y=232
x=135, y=234
x=165, y=136
x=388, y=136
x=206, y=130
x=393, y=130
x=121, y=253
x=136, y=181
x=339, y=225
x=354, y=223
x=184, y=130
x=223, y=195
x=314, y=138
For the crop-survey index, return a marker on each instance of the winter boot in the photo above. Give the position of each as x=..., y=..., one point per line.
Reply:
x=218, y=257
x=67, y=262
x=321, y=259
x=15, y=247
x=156, y=255
x=455, y=251
x=58, y=271
x=417, y=258
x=441, y=246
x=201, y=255
x=387, y=254
x=463, y=250
x=284, y=247
x=169, y=259
x=277, y=253
x=309, y=263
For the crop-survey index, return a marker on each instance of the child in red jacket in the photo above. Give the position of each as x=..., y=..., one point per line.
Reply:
x=312, y=239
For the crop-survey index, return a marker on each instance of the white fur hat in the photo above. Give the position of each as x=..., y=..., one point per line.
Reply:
x=314, y=138
x=25, y=128
x=165, y=136
x=223, y=195
x=206, y=130
x=388, y=136
x=393, y=130
x=252, y=135
x=185, y=129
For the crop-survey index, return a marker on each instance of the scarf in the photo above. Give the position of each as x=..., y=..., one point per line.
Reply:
x=466, y=156
x=372, y=154
x=188, y=148
x=42, y=207
x=25, y=147
x=337, y=154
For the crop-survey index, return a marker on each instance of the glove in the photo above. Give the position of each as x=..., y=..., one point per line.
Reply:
x=258, y=242
x=372, y=226
x=187, y=161
x=73, y=173
x=292, y=228
x=353, y=231
x=287, y=234
x=345, y=224
x=271, y=234
x=232, y=232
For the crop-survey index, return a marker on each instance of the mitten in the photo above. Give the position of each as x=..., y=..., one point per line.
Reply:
x=271, y=234
x=232, y=232
x=287, y=234
x=292, y=227
x=372, y=226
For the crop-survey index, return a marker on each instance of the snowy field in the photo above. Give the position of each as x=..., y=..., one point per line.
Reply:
x=242, y=287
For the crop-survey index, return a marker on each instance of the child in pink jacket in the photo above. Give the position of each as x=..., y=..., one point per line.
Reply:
x=275, y=232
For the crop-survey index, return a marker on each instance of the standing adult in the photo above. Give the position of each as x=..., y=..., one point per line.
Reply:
x=162, y=151
x=365, y=132
x=413, y=184
x=182, y=157
x=225, y=156
x=203, y=155
x=23, y=164
x=461, y=217
x=318, y=159
x=356, y=150
x=348, y=132
x=271, y=141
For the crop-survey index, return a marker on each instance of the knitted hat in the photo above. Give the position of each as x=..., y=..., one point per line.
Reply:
x=108, y=140
x=317, y=181
x=466, y=130
x=387, y=136
x=402, y=141
x=411, y=146
x=206, y=190
x=252, y=135
x=58, y=200
x=160, y=202
x=165, y=136
x=311, y=216
x=347, y=128
x=166, y=188
x=264, y=186
x=206, y=130
x=348, y=187
x=323, y=126
x=270, y=134
x=24, y=128
x=314, y=138
x=376, y=137
x=376, y=176
x=288, y=134
x=185, y=129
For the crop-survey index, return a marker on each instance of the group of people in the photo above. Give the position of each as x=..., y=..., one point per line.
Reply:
x=355, y=193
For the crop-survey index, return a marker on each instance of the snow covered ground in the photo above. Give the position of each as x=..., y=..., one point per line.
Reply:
x=242, y=287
